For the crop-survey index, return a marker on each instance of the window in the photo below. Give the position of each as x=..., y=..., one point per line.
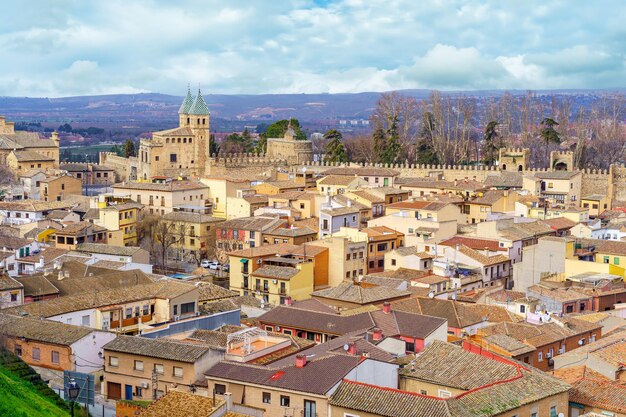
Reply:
x=381, y=263
x=382, y=247
x=553, y=411
x=606, y=260
x=36, y=354
x=138, y=392
x=371, y=264
x=219, y=389
x=85, y=320
x=18, y=350
x=113, y=361
x=267, y=398
x=444, y=394
x=522, y=308
x=347, y=257
x=176, y=309
x=533, y=414
x=54, y=356
x=14, y=297
x=138, y=366
x=188, y=308
x=178, y=372
x=284, y=401
x=540, y=356
x=616, y=260
x=393, y=262
x=309, y=408
x=172, y=157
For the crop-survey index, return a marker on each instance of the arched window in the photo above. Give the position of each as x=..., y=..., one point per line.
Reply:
x=503, y=167
x=167, y=140
x=184, y=140
x=198, y=120
x=203, y=121
x=188, y=120
x=520, y=168
x=189, y=140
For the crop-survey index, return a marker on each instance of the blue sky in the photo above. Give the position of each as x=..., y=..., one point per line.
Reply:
x=75, y=47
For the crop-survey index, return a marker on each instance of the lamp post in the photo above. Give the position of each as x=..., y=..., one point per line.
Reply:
x=72, y=392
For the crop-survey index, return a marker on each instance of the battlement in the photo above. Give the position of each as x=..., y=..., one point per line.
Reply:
x=245, y=159
x=517, y=151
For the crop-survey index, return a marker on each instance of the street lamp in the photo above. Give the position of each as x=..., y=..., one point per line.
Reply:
x=72, y=392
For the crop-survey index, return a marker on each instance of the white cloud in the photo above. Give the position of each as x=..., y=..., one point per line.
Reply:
x=75, y=47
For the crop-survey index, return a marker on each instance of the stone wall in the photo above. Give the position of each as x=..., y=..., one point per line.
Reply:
x=125, y=168
x=243, y=165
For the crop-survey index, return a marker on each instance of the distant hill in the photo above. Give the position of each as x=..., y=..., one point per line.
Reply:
x=153, y=110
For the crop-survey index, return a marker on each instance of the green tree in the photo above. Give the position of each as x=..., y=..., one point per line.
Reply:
x=335, y=150
x=278, y=129
x=378, y=145
x=117, y=150
x=490, y=146
x=549, y=134
x=426, y=153
x=214, y=147
x=247, y=142
x=392, y=143
x=129, y=148
x=65, y=128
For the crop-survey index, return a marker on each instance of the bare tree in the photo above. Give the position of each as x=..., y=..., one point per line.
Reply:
x=402, y=110
x=165, y=236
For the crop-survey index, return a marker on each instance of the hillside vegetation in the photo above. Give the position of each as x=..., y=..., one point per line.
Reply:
x=24, y=394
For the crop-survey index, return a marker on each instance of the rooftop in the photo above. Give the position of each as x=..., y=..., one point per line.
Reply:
x=42, y=330
x=157, y=348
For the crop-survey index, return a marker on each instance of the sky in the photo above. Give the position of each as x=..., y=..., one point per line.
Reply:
x=77, y=47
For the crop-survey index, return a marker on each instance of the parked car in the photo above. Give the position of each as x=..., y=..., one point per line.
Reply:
x=214, y=265
x=205, y=263
x=226, y=267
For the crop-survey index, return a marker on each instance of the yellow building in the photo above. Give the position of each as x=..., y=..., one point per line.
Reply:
x=123, y=217
x=493, y=201
x=77, y=233
x=182, y=150
x=556, y=187
x=305, y=203
x=280, y=279
x=25, y=160
x=346, y=259
x=56, y=188
x=577, y=215
x=197, y=231
x=244, y=206
x=339, y=184
x=595, y=203
x=278, y=187
x=220, y=189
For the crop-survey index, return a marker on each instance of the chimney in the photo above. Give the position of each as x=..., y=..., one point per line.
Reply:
x=352, y=348
x=300, y=361
x=386, y=307
x=377, y=334
x=228, y=397
x=40, y=262
x=288, y=301
x=349, y=203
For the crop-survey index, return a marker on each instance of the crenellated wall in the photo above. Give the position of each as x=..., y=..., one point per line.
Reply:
x=243, y=165
x=125, y=168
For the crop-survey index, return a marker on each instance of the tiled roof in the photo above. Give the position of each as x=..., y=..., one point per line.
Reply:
x=13, y=243
x=186, y=104
x=418, y=205
x=185, y=216
x=482, y=259
x=28, y=156
x=606, y=395
x=252, y=223
x=34, y=205
x=278, y=272
x=317, y=377
x=526, y=230
x=199, y=107
x=317, y=321
x=474, y=243
x=504, y=180
x=534, y=335
x=488, y=198
x=107, y=249
x=363, y=172
x=558, y=294
x=556, y=175
x=560, y=223
x=37, y=285
x=377, y=233
x=349, y=292
x=170, y=186
x=445, y=364
x=610, y=349
x=511, y=345
x=48, y=308
x=179, y=404
x=342, y=180
x=210, y=292
x=42, y=330
x=291, y=231
x=157, y=348
x=340, y=211
x=368, y=196
x=8, y=283
x=265, y=250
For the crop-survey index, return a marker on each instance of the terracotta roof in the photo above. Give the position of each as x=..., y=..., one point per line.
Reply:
x=291, y=231
x=504, y=180
x=558, y=294
x=343, y=180
x=27, y=156
x=560, y=223
x=377, y=233
x=606, y=395
x=265, y=250
x=488, y=198
x=556, y=175
x=210, y=292
x=107, y=249
x=418, y=205
x=80, y=227
x=366, y=195
x=42, y=330
x=474, y=243
x=157, y=348
x=533, y=335
x=252, y=223
x=179, y=404
x=349, y=292
x=34, y=205
x=277, y=272
x=482, y=259
x=340, y=211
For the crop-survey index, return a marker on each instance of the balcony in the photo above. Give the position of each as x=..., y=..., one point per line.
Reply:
x=244, y=284
x=282, y=291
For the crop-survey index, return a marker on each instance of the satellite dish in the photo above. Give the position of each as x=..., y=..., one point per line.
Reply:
x=453, y=295
x=431, y=294
x=561, y=415
x=346, y=347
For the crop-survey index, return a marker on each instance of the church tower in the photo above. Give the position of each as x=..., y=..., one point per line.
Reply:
x=183, y=111
x=198, y=119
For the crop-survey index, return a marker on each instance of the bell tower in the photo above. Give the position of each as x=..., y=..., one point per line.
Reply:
x=198, y=119
x=183, y=111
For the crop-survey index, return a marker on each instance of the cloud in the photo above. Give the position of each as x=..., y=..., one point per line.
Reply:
x=75, y=47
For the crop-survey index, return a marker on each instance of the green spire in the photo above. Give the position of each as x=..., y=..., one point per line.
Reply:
x=187, y=103
x=199, y=107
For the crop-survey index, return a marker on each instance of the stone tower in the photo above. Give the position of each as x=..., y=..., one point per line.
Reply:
x=562, y=160
x=513, y=159
x=194, y=114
